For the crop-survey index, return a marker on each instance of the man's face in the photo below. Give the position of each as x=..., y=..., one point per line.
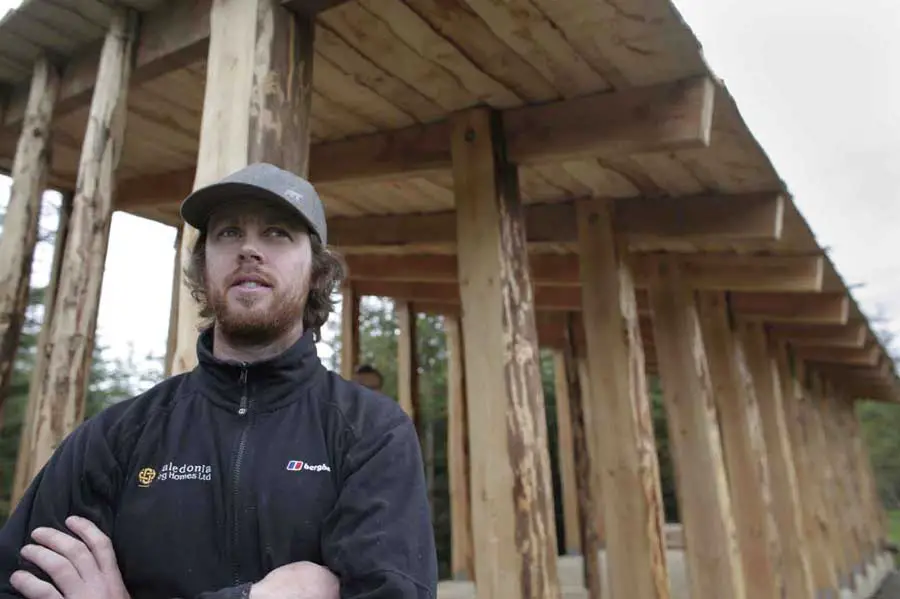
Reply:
x=258, y=262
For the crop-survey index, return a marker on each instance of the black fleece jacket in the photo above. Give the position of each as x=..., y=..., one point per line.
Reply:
x=211, y=479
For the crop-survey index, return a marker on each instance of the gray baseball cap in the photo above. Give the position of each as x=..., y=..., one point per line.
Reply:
x=264, y=181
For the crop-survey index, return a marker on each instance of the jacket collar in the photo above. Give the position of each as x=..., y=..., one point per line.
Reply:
x=266, y=385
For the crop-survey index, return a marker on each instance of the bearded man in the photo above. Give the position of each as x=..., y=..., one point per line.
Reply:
x=258, y=474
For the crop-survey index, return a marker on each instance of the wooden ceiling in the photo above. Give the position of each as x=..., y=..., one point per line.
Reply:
x=600, y=98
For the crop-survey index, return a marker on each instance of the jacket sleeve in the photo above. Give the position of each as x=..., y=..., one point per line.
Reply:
x=379, y=539
x=79, y=479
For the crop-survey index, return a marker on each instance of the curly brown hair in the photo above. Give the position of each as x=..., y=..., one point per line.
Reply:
x=327, y=273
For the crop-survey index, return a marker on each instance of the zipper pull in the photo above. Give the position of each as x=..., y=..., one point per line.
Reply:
x=242, y=410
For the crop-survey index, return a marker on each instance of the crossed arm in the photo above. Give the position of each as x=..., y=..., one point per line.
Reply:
x=83, y=566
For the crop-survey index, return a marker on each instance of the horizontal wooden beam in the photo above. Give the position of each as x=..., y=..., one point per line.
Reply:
x=702, y=271
x=647, y=223
x=851, y=335
x=310, y=7
x=806, y=308
x=867, y=356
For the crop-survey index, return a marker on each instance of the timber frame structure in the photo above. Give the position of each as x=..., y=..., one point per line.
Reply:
x=565, y=174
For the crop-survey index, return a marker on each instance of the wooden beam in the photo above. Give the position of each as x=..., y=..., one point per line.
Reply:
x=713, y=559
x=850, y=335
x=23, y=473
x=514, y=531
x=565, y=451
x=310, y=8
x=407, y=363
x=714, y=272
x=645, y=223
x=830, y=308
x=744, y=449
x=349, y=330
x=867, y=356
x=462, y=563
x=64, y=388
x=256, y=109
x=763, y=375
x=172, y=336
x=22, y=218
x=632, y=501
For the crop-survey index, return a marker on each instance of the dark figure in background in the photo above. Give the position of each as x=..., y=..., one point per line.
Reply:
x=368, y=376
x=258, y=474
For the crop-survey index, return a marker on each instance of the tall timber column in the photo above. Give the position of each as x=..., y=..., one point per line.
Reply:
x=256, y=109
x=20, y=224
x=626, y=449
x=713, y=559
x=408, y=363
x=62, y=392
x=514, y=531
x=766, y=378
x=744, y=448
x=349, y=330
x=566, y=453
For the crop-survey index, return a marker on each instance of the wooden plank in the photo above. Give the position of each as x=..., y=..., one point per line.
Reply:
x=566, y=452
x=23, y=473
x=349, y=330
x=64, y=388
x=744, y=449
x=852, y=356
x=22, y=218
x=648, y=224
x=851, y=335
x=806, y=308
x=514, y=531
x=587, y=470
x=172, y=335
x=309, y=8
x=701, y=271
x=462, y=563
x=705, y=507
x=788, y=517
x=407, y=363
x=256, y=109
x=632, y=501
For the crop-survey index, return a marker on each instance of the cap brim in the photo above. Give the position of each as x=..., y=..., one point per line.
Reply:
x=201, y=204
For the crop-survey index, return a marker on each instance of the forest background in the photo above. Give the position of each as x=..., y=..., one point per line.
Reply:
x=115, y=379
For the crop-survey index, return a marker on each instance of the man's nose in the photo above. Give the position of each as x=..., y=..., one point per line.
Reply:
x=249, y=252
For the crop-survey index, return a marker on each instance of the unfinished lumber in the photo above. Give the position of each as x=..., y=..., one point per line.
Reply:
x=812, y=503
x=828, y=308
x=22, y=219
x=256, y=109
x=64, y=388
x=587, y=475
x=407, y=363
x=462, y=563
x=172, y=336
x=349, y=330
x=764, y=375
x=632, y=503
x=565, y=450
x=514, y=531
x=871, y=502
x=23, y=473
x=850, y=335
x=744, y=449
x=712, y=555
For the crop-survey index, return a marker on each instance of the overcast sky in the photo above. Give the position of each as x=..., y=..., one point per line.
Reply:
x=817, y=82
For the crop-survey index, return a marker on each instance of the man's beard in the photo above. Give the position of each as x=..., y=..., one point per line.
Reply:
x=257, y=325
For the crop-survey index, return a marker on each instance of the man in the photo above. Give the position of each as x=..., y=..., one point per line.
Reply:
x=368, y=376
x=260, y=473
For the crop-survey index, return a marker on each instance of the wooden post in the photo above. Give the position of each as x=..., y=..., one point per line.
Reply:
x=22, y=218
x=586, y=478
x=632, y=514
x=22, y=477
x=172, y=337
x=744, y=449
x=566, y=452
x=255, y=109
x=408, y=364
x=461, y=560
x=349, y=330
x=785, y=506
x=63, y=389
x=713, y=561
x=815, y=524
x=871, y=503
x=584, y=380
x=514, y=531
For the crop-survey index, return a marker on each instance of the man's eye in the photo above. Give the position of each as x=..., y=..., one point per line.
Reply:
x=277, y=232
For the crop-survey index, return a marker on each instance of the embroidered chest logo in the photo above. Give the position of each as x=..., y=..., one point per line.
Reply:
x=176, y=472
x=296, y=465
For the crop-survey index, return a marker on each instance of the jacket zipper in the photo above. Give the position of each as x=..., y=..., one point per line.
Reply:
x=243, y=409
